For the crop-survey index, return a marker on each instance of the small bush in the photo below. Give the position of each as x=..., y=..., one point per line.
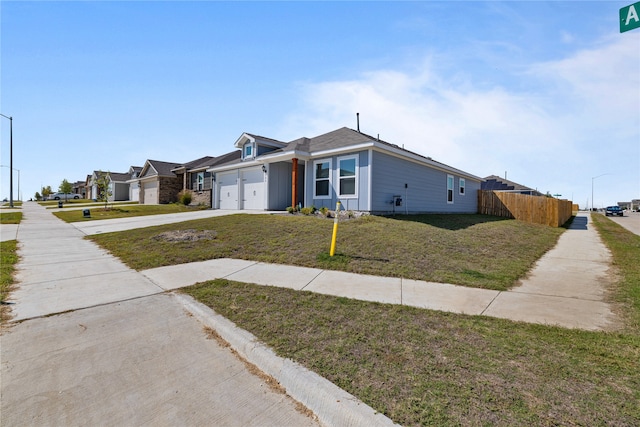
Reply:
x=308, y=210
x=324, y=210
x=185, y=197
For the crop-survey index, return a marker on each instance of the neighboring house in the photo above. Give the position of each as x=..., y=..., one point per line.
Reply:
x=118, y=185
x=495, y=183
x=158, y=184
x=161, y=182
x=79, y=187
x=196, y=177
x=88, y=194
x=92, y=184
x=362, y=172
x=134, y=184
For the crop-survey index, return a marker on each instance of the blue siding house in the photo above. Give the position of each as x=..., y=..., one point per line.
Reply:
x=362, y=172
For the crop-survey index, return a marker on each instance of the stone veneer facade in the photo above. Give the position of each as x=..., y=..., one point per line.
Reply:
x=168, y=190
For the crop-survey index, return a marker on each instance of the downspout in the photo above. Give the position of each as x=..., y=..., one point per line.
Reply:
x=294, y=183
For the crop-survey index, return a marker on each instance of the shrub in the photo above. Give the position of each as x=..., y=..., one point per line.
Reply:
x=185, y=197
x=324, y=210
x=308, y=210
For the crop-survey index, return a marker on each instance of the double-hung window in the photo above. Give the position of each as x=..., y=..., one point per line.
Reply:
x=347, y=176
x=450, y=182
x=461, y=184
x=322, y=179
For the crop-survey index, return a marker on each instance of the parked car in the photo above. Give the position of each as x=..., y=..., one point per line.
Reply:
x=614, y=210
x=63, y=196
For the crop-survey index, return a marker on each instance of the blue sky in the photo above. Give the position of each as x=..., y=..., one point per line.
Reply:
x=547, y=92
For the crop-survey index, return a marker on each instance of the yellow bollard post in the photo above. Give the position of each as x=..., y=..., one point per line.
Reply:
x=335, y=231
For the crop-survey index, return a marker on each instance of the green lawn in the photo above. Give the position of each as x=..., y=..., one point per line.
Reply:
x=471, y=250
x=123, y=211
x=8, y=259
x=10, y=217
x=422, y=367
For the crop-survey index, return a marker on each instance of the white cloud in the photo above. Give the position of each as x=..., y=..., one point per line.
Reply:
x=557, y=128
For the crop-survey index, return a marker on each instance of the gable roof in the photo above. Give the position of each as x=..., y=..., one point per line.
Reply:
x=118, y=177
x=158, y=168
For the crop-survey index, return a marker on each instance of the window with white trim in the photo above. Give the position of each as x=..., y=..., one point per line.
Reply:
x=322, y=179
x=461, y=184
x=347, y=176
x=248, y=150
x=200, y=181
x=450, y=182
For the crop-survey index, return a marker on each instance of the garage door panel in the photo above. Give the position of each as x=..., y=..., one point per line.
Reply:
x=228, y=190
x=253, y=189
x=150, y=193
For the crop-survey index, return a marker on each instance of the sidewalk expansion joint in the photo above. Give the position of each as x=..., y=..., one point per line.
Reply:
x=73, y=310
x=242, y=269
x=312, y=280
x=490, y=303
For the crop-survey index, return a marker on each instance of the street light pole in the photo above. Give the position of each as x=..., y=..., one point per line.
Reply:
x=10, y=158
x=592, y=179
x=17, y=170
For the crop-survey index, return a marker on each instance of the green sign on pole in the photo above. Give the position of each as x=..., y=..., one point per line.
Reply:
x=629, y=18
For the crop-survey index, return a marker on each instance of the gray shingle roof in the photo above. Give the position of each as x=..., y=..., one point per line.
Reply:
x=162, y=168
x=119, y=177
x=496, y=183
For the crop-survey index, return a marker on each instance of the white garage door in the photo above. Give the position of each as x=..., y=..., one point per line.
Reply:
x=253, y=189
x=228, y=190
x=150, y=194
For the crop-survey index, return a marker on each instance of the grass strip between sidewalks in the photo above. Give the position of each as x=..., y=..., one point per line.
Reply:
x=8, y=259
x=98, y=211
x=625, y=248
x=10, y=217
x=422, y=367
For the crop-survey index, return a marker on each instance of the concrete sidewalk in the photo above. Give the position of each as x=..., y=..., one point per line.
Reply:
x=96, y=343
x=565, y=288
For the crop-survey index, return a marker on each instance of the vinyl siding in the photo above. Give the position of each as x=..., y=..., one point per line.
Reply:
x=359, y=203
x=426, y=188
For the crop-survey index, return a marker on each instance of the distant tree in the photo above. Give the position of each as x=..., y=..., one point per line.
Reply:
x=104, y=187
x=47, y=191
x=66, y=188
x=37, y=196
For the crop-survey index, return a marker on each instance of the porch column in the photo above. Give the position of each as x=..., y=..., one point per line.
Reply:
x=294, y=183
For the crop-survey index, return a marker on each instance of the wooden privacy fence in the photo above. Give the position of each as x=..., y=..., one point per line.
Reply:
x=532, y=209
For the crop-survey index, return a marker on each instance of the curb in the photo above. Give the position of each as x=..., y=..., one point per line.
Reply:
x=332, y=405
